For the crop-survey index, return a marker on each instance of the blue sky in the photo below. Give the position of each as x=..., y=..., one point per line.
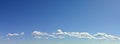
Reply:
x=92, y=16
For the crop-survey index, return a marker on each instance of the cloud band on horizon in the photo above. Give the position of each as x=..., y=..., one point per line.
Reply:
x=60, y=34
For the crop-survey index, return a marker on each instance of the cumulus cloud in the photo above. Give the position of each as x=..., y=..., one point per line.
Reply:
x=38, y=34
x=61, y=34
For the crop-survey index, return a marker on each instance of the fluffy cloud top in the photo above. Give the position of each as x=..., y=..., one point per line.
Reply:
x=38, y=34
x=60, y=34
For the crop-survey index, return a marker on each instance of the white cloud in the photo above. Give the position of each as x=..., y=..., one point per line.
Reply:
x=59, y=31
x=85, y=35
x=74, y=34
x=106, y=36
x=38, y=34
x=14, y=34
x=61, y=34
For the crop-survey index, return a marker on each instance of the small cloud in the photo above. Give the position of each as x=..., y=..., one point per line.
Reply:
x=14, y=34
x=38, y=34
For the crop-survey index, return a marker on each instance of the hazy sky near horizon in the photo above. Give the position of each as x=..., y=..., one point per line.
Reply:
x=22, y=17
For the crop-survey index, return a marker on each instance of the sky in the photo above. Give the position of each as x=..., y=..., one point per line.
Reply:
x=59, y=21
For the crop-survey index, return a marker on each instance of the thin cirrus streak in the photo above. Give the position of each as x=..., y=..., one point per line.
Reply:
x=60, y=34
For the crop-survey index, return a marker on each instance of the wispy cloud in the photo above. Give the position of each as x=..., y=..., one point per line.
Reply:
x=14, y=34
x=105, y=36
x=60, y=34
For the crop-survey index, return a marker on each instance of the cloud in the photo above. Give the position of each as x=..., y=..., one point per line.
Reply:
x=14, y=34
x=53, y=35
x=61, y=34
x=74, y=34
x=106, y=36
x=38, y=34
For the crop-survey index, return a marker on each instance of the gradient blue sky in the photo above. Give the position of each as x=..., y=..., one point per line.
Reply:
x=69, y=15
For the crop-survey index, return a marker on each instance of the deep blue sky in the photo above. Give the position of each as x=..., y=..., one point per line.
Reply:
x=68, y=15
